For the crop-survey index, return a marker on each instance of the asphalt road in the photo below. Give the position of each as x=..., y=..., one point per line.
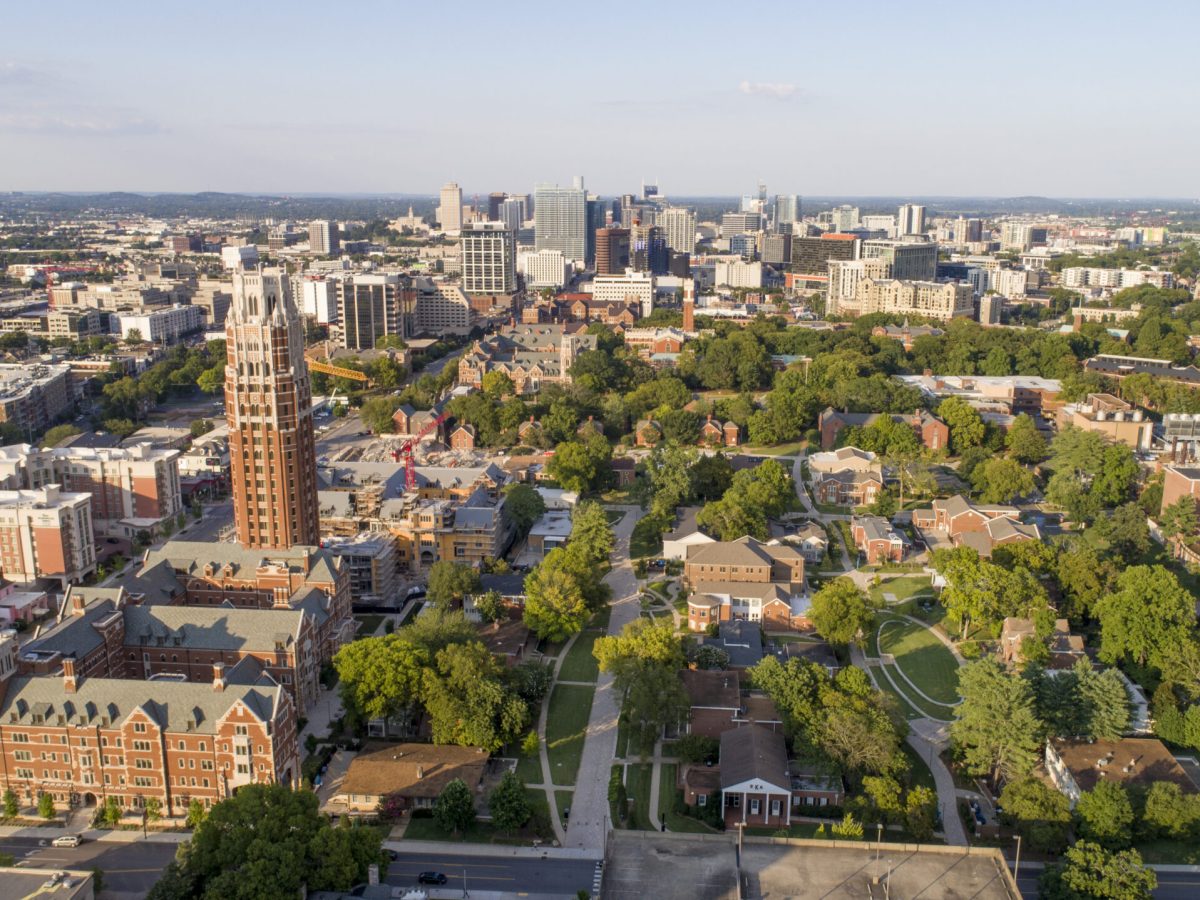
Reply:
x=217, y=516
x=1171, y=885
x=130, y=869
x=496, y=873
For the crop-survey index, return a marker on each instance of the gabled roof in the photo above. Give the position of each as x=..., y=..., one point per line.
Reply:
x=754, y=753
x=412, y=770
x=712, y=689
x=745, y=551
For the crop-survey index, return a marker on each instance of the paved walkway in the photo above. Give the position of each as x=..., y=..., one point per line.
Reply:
x=547, y=784
x=952, y=826
x=589, y=813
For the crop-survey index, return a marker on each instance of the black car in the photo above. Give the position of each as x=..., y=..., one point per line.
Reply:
x=392, y=855
x=431, y=878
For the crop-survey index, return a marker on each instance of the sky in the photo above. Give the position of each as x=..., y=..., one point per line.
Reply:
x=1058, y=98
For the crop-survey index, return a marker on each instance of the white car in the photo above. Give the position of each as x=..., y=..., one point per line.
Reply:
x=68, y=840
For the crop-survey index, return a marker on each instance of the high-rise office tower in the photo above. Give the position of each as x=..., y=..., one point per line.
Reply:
x=450, y=215
x=369, y=306
x=512, y=213
x=787, y=211
x=612, y=251
x=647, y=249
x=679, y=227
x=323, y=237
x=489, y=259
x=909, y=260
x=911, y=219
x=560, y=220
x=596, y=219
x=268, y=402
x=968, y=231
x=739, y=223
x=495, y=201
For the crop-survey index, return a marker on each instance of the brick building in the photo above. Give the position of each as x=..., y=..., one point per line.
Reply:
x=877, y=540
x=931, y=431
x=85, y=740
x=46, y=533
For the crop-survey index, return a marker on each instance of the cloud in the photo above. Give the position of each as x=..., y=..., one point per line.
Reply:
x=84, y=125
x=15, y=74
x=774, y=90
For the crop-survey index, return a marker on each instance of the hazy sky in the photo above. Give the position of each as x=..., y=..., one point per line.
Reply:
x=1058, y=97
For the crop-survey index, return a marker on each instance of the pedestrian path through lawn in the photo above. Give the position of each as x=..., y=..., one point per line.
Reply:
x=924, y=661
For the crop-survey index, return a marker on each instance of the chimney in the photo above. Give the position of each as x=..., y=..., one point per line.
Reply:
x=218, y=676
x=70, y=681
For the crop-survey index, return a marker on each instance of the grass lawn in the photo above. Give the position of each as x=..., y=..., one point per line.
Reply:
x=579, y=664
x=368, y=625
x=566, y=721
x=903, y=588
x=923, y=658
x=910, y=712
x=529, y=768
x=777, y=449
x=661, y=589
x=646, y=539
x=1166, y=852
x=622, y=739
x=921, y=776
x=667, y=794
x=790, y=637
x=914, y=700
x=637, y=784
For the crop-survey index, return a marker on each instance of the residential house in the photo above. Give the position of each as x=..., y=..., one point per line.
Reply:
x=720, y=434
x=848, y=487
x=406, y=776
x=843, y=459
x=745, y=579
x=684, y=535
x=647, y=433
x=741, y=640
x=810, y=540
x=875, y=537
x=819, y=653
x=1065, y=648
x=981, y=527
x=463, y=437
x=1077, y=766
x=550, y=532
x=624, y=469
x=931, y=431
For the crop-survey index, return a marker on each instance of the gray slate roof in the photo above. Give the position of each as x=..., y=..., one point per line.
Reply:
x=754, y=753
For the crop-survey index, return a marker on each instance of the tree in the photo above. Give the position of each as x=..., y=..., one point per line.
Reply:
x=195, y=814
x=581, y=466
x=524, y=506
x=509, y=805
x=982, y=592
x=640, y=641
x=591, y=531
x=45, y=806
x=1178, y=520
x=497, y=385
x=212, y=380
x=1024, y=442
x=133, y=336
x=1040, y=814
x=454, y=809
x=436, y=629
x=963, y=420
x=1090, y=872
x=1001, y=480
x=490, y=606
x=1170, y=813
x=711, y=476
x=697, y=749
x=469, y=700
x=920, y=812
x=111, y=813
x=1106, y=815
x=153, y=809
x=11, y=805
x=1126, y=531
x=377, y=413
x=267, y=841
x=996, y=733
x=654, y=699
x=555, y=605
x=382, y=676
x=59, y=433
x=840, y=612
x=1149, y=612
x=201, y=427
x=449, y=582
x=849, y=829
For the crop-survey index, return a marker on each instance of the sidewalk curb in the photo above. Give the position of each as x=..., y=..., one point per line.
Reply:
x=458, y=849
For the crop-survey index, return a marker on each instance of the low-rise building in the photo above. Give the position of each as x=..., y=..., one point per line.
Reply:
x=531, y=355
x=1077, y=766
x=720, y=434
x=46, y=533
x=877, y=540
x=406, y=776
x=1110, y=416
x=982, y=527
x=848, y=487
x=931, y=431
x=550, y=532
x=370, y=559
x=160, y=326
x=685, y=534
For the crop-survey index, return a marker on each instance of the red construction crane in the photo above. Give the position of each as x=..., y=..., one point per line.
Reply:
x=405, y=451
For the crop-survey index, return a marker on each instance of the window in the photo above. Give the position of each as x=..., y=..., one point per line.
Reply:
x=143, y=764
x=206, y=764
x=143, y=781
x=139, y=727
x=702, y=800
x=23, y=756
x=243, y=769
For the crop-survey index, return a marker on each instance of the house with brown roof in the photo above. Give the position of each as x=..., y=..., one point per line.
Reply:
x=876, y=539
x=1077, y=766
x=647, y=433
x=847, y=488
x=1065, y=648
x=979, y=526
x=931, y=431
x=715, y=433
x=407, y=776
x=843, y=459
x=745, y=579
x=463, y=437
x=624, y=469
x=717, y=703
x=529, y=432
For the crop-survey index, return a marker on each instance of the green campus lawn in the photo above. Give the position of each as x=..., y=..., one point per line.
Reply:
x=904, y=588
x=909, y=711
x=637, y=785
x=368, y=625
x=776, y=449
x=912, y=699
x=538, y=827
x=579, y=664
x=566, y=722
x=923, y=658
x=646, y=539
x=529, y=768
x=921, y=776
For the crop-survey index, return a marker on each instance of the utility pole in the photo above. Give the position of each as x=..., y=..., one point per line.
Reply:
x=1017, y=862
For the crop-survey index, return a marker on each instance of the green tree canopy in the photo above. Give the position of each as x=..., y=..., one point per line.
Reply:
x=1024, y=442
x=524, y=505
x=996, y=733
x=1149, y=612
x=454, y=809
x=1090, y=872
x=841, y=612
x=449, y=582
x=381, y=676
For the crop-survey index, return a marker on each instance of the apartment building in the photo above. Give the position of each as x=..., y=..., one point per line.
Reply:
x=1115, y=279
x=46, y=533
x=438, y=307
x=109, y=636
x=628, y=287
x=160, y=326
x=323, y=238
x=370, y=559
x=560, y=219
x=544, y=269
x=908, y=260
x=34, y=397
x=743, y=579
x=978, y=526
x=930, y=299
x=368, y=307
x=136, y=482
x=88, y=740
x=489, y=259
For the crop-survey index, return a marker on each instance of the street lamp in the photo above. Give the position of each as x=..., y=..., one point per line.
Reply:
x=1017, y=861
x=878, y=841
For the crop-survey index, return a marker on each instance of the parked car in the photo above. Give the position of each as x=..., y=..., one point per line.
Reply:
x=68, y=840
x=431, y=878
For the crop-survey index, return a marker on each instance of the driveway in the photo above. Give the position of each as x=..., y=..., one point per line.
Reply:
x=589, y=810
